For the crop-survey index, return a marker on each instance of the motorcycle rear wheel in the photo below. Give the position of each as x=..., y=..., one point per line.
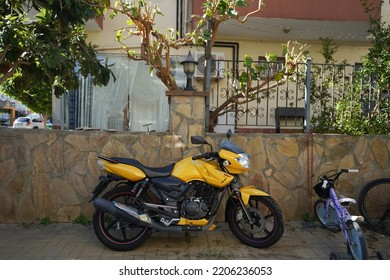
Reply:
x=268, y=226
x=117, y=234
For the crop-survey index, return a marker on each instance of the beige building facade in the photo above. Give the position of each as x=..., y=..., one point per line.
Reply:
x=278, y=22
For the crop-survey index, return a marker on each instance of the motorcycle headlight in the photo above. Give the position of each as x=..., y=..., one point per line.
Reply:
x=244, y=160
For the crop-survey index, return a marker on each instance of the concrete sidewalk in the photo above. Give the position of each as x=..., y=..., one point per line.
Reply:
x=74, y=241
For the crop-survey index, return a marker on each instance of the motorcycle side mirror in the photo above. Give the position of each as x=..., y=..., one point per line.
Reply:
x=198, y=140
x=229, y=134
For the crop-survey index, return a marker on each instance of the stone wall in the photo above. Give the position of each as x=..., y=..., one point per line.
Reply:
x=51, y=173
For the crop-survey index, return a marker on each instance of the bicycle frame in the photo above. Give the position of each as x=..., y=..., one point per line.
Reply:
x=342, y=213
x=331, y=205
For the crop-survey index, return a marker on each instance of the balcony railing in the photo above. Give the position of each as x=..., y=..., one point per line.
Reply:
x=309, y=100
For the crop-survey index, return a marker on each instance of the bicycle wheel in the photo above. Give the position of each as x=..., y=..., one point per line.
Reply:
x=374, y=205
x=357, y=245
x=330, y=221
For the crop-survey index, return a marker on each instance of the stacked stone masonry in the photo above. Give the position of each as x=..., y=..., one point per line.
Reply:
x=51, y=173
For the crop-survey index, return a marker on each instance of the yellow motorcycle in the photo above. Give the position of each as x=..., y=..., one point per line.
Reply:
x=184, y=196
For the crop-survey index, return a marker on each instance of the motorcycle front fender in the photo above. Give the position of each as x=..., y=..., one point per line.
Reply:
x=248, y=191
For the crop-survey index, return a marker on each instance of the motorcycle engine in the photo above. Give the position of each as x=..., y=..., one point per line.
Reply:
x=198, y=201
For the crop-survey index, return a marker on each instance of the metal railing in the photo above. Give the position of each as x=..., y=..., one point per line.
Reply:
x=317, y=90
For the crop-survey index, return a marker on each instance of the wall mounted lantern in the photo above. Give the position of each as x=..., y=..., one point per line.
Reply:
x=189, y=69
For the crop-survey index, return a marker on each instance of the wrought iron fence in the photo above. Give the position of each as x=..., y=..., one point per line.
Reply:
x=313, y=99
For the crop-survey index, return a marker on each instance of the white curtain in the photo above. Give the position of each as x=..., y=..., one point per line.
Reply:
x=149, y=105
x=135, y=90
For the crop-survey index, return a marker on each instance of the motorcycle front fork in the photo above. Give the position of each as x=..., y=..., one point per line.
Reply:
x=236, y=193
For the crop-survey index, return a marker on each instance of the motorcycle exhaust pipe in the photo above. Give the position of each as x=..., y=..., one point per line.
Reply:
x=122, y=211
x=128, y=213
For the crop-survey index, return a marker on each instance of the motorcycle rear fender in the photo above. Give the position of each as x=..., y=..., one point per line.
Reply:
x=248, y=191
x=104, y=181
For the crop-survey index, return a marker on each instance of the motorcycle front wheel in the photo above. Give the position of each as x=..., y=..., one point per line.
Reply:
x=116, y=233
x=267, y=225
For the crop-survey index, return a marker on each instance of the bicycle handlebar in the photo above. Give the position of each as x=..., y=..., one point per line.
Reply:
x=333, y=178
x=349, y=170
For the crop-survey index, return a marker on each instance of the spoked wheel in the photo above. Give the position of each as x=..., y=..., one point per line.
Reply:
x=118, y=234
x=268, y=224
x=329, y=221
x=357, y=245
x=374, y=205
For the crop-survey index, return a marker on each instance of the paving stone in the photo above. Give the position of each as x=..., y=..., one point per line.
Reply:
x=68, y=242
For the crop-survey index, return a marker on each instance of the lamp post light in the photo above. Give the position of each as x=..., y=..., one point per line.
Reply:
x=189, y=69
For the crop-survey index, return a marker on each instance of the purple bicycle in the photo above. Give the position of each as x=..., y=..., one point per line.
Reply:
x=331, y=211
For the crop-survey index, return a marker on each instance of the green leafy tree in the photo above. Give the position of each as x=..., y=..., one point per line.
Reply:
x=43, y=45
x=357, y=104
x=366, y=109
x=376, y=71
x=156, y=47
x=377, y=62
x=325, y=87
x=38, y=96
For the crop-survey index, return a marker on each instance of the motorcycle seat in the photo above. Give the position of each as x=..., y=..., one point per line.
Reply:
x=149, y=171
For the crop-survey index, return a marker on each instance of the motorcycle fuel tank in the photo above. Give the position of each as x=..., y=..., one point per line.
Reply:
x=189, y=170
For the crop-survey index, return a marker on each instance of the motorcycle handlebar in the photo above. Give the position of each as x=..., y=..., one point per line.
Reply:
x=197, y=157
x=210, y=155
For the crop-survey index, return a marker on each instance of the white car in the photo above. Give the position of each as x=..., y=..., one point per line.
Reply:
x=28, y=122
